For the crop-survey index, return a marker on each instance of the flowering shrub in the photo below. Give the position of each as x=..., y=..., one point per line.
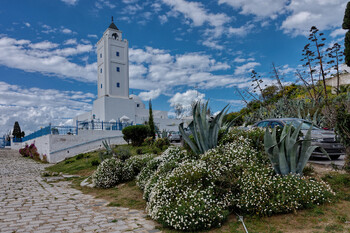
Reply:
x=263, y=193
x=255, y=135
x=187, y=199
x=136, y=163
x=30, y=151
x=108, y=174
x=190, y=193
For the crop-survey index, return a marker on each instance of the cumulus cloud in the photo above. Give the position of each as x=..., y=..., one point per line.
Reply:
x=34, y=107
x=338, y=32
x=152, y=69
x=306, y=13
x=248, y=67
x=70, y=2
x=153, y=94
x=40, y=57
x=186, y=99
x=70, y=41
x=266, y=8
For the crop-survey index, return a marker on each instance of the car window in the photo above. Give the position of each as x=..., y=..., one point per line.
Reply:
x=263, y=124
x=305, y=125
x=273, y=124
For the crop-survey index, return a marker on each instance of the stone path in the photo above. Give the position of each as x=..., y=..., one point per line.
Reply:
x=28, y=204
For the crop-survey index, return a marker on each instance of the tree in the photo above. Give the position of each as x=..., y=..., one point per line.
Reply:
x=346, y=26
x=151, y=122
x=17, y=133
x=335, y=54
x=179, y=110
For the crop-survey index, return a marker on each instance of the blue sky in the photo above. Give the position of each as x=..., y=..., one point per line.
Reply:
x=179, y=50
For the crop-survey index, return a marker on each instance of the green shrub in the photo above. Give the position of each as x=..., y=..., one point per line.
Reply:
x=79, y=156
x=136, y=134
x=255, y=135
x=148, y=141
x=108, y=174
x=161, y=142
x=122, y=153
x=139, y=151
x=95, y=162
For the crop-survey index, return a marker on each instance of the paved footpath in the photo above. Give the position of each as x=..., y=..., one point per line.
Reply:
x=28, y=204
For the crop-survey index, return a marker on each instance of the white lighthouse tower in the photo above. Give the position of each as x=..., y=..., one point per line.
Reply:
x=113, y=102
x=113, y=64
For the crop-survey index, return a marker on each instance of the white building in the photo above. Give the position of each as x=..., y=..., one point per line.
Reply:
x=113, y=101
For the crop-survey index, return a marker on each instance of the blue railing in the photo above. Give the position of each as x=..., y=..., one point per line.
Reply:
x=56, y=130
x=100, y=125
x=17, y=139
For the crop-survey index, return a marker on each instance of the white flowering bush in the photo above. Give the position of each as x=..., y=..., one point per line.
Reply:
x=108, y=173
x=188, y=193
x=263, y=193
x=187, y=199
x=134, y=165
x=160, y=166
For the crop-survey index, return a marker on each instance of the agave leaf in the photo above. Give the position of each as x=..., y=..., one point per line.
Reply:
x=304, y=158
x=188, y=140
x=274, y=160
x=283, y=164
x=198, y=123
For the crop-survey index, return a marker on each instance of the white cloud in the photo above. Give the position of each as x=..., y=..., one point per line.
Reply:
x=338, y=32
x=186, y=99
x=152, y=69
x=92, y=36
x=99, y=4
x=39, y=57
x=35, y=107
x=306, y=13
x=243, y=69
x=197, y=13
x=66, y=31
x=163, y=19
x=70, y=2
x=70, y=42
x=241, y=31
x=265, y=8
x=27, y=24
x=43, y=45
x=153, y=94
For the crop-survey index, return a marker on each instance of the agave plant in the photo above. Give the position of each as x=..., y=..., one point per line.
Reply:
x=288, y=154
x=205, y=130
x=108, y=153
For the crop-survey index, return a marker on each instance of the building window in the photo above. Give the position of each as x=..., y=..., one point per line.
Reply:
x=137, y=105
x=101, y=70
x=118, y=69
x=101, y=86
x=117, y=54
x=118, y=84
x=100, y=55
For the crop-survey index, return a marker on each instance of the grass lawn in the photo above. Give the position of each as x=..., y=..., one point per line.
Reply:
x=333, y=217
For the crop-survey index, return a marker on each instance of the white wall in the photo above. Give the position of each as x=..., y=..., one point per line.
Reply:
x=59, y=147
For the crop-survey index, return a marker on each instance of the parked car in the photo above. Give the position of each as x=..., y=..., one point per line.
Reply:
x=174, y=136
x=320, y=137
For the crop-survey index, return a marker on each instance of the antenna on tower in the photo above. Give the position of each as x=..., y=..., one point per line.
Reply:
x=112, y=19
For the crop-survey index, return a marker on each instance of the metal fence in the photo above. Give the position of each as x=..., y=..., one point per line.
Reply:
x=100, y=125
x=56, y=130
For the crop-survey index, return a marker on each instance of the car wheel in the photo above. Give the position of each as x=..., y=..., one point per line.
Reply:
x=334, y=157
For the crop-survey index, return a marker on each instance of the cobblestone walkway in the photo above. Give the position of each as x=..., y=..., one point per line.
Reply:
x=28, y=204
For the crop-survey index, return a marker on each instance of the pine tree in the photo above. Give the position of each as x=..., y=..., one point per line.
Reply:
x=151, y=122
x=346, y=25
x=17, y=133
